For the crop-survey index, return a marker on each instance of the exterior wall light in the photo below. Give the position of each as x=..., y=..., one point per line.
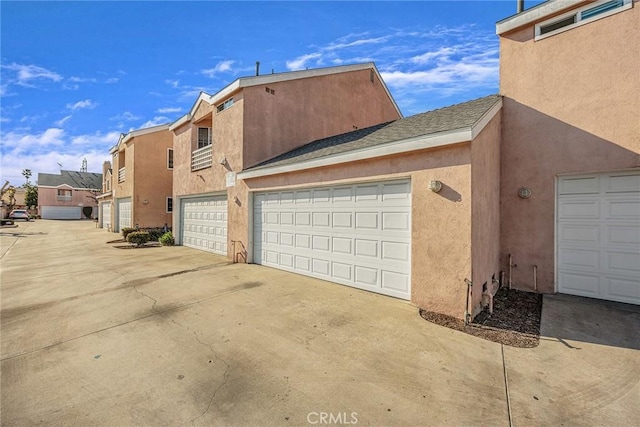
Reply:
x=223, y=161
x=435, y=186
x=524, y=193
x=145, y=201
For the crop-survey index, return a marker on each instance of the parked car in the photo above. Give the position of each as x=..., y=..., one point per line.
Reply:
x=19, y=214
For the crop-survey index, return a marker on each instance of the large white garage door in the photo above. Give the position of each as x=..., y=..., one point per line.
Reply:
x=105, y=215
x=204, y=223
x=124, y=213
x=356, y=235
x=599, y=236
x=61, y=212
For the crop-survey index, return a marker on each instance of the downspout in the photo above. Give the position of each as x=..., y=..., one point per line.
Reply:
x=535, y=278
x=467, y=313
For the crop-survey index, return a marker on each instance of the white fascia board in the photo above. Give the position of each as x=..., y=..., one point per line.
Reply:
x=182, y=120
x=291, y=75
x=422, y=142
x=104, y=195
x=485, y=119
x=68, y=186
x=535, y=14
x=145, y=131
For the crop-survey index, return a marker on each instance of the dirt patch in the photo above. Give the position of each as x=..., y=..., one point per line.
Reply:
x=146, y=245
x=515, y=320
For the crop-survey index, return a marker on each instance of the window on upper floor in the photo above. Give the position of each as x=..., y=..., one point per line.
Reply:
x=64, y=195
x=169, y=204
x=584, y=15
x=169, y=158
x=204, y=137
x=224, y=105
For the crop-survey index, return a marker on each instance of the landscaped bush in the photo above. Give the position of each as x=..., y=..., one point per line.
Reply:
x=167, y=239
x=137, y=238
x=126, y=231
x=154, y=233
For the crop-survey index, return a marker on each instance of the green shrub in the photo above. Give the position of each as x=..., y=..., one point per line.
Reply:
x=167, y=239
x=154, y=233
x=137, y=238
x=126, y=231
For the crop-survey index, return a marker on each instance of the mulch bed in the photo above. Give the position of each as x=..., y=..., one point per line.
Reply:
x=146, y=245
x=515, y=320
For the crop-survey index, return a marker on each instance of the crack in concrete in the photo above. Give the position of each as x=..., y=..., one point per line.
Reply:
x=155, y=301
x=506, y=385
x=224, y=375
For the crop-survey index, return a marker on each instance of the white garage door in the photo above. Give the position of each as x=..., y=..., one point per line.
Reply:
x=61, y=212
x=356, y=235
x=204, y=223
x=105, y=215
x=124, y=213
x=599, y=236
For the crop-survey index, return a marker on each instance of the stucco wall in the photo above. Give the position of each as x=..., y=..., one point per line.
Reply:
x=153, y=181
x=571, y=105
x=301, y=111
x=485, y=209
x=49, y=197
x=441, y=224
x=123, y=189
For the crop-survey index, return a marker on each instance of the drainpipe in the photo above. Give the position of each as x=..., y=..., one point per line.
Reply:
x=467, y=314
x=511, y=265
x=535, y=278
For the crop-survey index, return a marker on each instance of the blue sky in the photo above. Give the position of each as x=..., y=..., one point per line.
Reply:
x=74, y=75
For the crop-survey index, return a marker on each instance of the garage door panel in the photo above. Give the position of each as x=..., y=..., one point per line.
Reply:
x=61, y=212
x=623, y=209
x=337, y=234
x=204, y=223
x=623, y=184
x=598, y=236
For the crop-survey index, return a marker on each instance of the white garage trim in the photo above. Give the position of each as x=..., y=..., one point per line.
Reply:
x=61, y=212
x=105, y=215
x=598, y=235
x=202, y=222
x=124, y=214
x=357, y=235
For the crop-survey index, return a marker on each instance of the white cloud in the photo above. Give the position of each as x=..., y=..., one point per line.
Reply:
x=127, y=116
x=343, y=44
x=169, y=110
x=26, y=74
x=86, y=104
x=158, y=120
x=300, y=62
x=173, y=83
x=220, y=67
x=63, y=120
x=41, y=152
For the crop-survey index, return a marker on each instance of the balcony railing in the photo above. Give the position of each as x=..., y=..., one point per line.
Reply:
x=121, y=174
x=64, y=198
x=201, y=158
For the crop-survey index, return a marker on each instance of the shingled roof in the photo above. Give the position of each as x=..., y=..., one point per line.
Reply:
x=73, y=179
x=455, y=117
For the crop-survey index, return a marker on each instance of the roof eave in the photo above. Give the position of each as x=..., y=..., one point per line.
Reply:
x=535, y=14
x=434, y=140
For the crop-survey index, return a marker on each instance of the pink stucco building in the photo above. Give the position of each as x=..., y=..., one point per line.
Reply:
x=68, y=195
x=316, y=172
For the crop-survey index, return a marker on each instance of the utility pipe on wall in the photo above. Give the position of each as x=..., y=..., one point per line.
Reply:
x=535, y=278
x=467, y=313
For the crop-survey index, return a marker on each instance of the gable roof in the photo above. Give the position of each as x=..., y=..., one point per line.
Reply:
x=444, y=126
x=243, y=82
x=76, y=180
x=126, y=137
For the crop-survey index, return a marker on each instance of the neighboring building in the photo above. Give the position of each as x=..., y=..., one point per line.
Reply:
x=141, y=184
x=68, y=195
x=571, y=136
x=105, y=199
x=252, y=120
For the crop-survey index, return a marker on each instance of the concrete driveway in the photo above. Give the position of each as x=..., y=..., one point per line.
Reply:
x=92, y=334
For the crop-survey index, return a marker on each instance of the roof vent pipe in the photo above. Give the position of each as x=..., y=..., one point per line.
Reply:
x=257, y=68
x=520, y=6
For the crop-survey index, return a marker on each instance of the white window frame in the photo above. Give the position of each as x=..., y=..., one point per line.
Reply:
x=170, y=164
x=627, y=4
x=227, y=103
x=166, y=205
x=209, y=138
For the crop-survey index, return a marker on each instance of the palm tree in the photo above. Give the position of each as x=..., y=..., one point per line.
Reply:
x=27, y=174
